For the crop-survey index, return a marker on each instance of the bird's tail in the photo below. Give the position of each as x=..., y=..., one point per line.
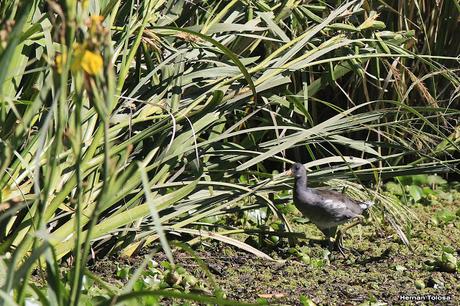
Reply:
x=366, y=205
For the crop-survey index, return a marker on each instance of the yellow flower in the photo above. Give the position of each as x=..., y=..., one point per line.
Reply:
x=60, y=61
x=97, y=19
x=90, y=62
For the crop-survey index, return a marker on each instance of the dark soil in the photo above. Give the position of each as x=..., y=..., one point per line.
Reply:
x=378, y=268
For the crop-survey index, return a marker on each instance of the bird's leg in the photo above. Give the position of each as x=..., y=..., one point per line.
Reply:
x=338, y=243
x=335, y=240
x=357, y=221
x=330, y=234
x=339, y=237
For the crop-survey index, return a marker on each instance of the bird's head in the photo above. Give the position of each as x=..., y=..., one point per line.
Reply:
x=297, y=170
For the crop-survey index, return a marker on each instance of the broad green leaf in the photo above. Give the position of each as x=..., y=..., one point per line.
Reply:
x=416, y=192
x=131, y=215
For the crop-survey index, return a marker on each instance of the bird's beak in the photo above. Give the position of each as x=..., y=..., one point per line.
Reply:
x=289, y=173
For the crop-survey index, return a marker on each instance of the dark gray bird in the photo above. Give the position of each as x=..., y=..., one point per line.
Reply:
x=327, y=209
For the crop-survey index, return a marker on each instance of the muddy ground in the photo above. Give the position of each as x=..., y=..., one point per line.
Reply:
x=378, y=267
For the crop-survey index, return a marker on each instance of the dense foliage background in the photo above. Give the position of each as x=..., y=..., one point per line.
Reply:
x=118, y=116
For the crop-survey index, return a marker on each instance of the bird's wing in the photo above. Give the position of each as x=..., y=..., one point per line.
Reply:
x=339, y=210
x=338, y=204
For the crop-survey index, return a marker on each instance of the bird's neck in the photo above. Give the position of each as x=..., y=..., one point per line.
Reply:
x=300, y=183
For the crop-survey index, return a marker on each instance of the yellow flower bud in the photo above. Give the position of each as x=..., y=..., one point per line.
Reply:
x=91, y=62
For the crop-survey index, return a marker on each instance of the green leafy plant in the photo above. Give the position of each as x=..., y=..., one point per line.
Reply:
x=123, y=121
x=444, y=217
x=417, y=188
x=446, y=262
x=169, y=276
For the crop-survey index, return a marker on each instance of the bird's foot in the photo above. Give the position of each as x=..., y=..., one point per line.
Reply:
x=338, y=244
